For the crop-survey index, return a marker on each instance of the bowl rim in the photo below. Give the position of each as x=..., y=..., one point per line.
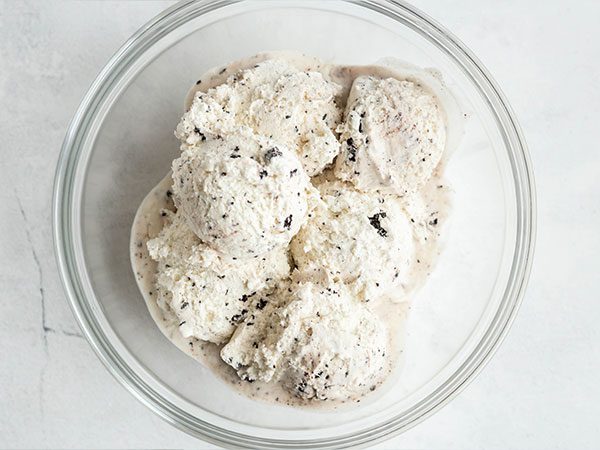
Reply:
x=64, y=246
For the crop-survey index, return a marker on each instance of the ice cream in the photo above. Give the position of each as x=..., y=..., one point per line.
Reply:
x=290, y=231
x=318, y=341
x=242, y=194
x=361, y=239
x=209, y=295
x=393, y=135
x=275, y=99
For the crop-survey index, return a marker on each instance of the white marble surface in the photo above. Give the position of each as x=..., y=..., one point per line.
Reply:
x=541, y=389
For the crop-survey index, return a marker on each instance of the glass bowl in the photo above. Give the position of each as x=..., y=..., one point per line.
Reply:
x=120, y=144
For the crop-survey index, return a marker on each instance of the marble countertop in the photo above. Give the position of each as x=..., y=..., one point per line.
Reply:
x=540, y=390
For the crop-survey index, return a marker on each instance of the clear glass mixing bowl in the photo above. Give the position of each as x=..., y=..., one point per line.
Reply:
x=121, y=142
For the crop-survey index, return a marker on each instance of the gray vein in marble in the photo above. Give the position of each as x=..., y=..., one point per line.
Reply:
x=38, y=266
x=63, y=332
x=45, y=328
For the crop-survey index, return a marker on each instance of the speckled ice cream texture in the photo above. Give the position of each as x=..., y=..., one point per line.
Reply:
x=393, y=135
x=209, y=296
x=296, y=108
x=242, y=194
x=319, y=342
x=261, y=185
x=363, y=240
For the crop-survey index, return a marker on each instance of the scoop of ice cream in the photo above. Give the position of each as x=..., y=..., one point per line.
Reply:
x=393, y=135
x=318, y=341
x=210, y=296
x=243, y=195
x=362, y=239
x=295, y=108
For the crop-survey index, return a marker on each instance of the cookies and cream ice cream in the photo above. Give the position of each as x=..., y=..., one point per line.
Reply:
x=393, y=135
x=363, y=240
x=242, y=194
x=275, y=99
x=317, y=340
x=288, y=231
x=208, y=294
